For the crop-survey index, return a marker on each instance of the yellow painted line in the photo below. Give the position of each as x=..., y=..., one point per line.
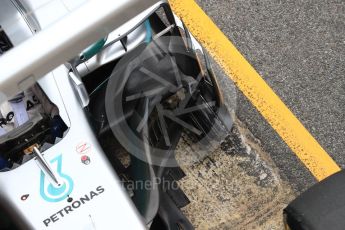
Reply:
x=290, y=129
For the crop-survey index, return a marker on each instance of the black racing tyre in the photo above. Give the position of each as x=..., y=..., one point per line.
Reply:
x=320, y=207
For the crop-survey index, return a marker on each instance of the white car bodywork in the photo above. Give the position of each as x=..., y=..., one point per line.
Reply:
x=98, y=199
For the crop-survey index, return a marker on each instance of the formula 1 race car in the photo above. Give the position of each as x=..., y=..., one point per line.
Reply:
x=95, y=97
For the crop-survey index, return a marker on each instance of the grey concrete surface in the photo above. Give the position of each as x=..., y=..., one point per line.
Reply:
x=237, y=186
x=298, y=47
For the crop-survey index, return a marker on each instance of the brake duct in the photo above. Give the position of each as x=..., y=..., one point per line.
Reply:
x=154, y=93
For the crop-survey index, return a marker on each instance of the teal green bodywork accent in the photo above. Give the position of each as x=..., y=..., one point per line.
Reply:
x=148, y=31
x=93, y=49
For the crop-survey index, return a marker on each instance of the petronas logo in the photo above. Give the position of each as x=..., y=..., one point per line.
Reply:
x=54, y=193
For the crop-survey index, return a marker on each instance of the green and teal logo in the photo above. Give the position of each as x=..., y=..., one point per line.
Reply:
x=51, y=192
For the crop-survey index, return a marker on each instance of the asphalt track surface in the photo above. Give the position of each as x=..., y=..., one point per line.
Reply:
x=298, y=48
